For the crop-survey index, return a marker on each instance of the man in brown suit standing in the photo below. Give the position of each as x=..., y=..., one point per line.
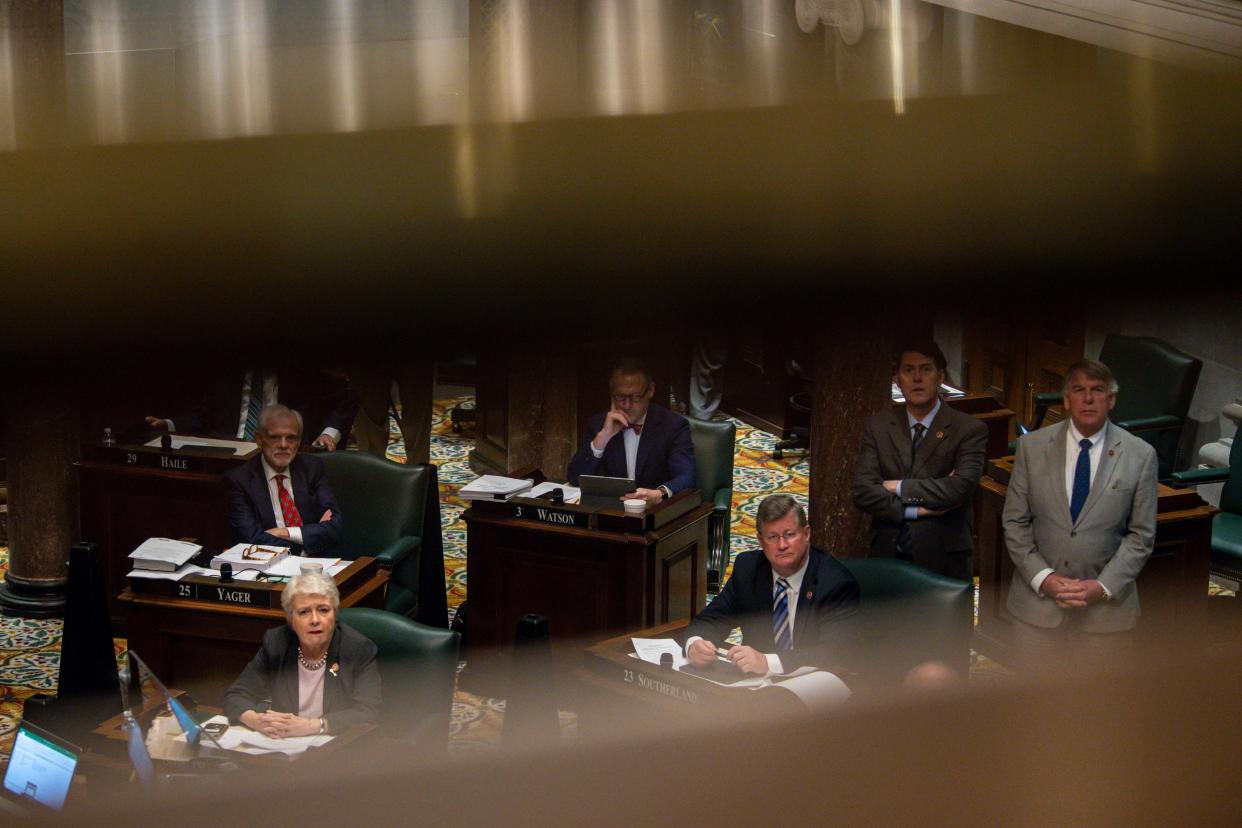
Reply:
x=918, y=468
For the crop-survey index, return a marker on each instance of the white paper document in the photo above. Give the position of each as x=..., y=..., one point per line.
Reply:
x=818, y=689
x=241, y=738
x=650, y=650
x=243, y=556
x=288, y=567
x=572, y=493
x=240, y=448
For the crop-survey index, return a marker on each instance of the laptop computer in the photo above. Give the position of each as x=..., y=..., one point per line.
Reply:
x=40, y=770
x=604, y=492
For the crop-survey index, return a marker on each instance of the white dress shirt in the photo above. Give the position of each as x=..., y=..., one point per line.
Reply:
x=631, y=439
x=1073, y=441
x=295, y=532
x=912, y=512
x=270, y=390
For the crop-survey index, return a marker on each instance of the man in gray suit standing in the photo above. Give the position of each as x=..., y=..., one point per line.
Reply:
x=918, y=468
x=1080, y=522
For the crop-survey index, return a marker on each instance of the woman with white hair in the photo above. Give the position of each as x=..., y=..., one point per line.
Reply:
x=311, y=675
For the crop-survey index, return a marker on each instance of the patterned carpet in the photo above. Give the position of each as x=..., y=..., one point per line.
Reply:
x=30, y=649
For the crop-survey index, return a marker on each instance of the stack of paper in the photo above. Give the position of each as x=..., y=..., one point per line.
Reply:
x=291, y=566
x=163, y=555
x=494, y=487
x=250, y=556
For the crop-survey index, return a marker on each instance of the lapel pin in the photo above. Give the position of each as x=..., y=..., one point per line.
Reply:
x=809, y=595
x=1111, y=452
x=334, y=669
x=939, y=435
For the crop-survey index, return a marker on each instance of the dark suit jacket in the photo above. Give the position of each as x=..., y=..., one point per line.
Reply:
x=944, y=476
x=665, y=452
x=250, y=505
x=323, y=400
x=350, y=697
x=823, y=634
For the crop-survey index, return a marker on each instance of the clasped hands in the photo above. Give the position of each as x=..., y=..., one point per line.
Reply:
x=276, y=725
x=282, y=532
x=616, y=422
x=1071, y=593
x=747, y=659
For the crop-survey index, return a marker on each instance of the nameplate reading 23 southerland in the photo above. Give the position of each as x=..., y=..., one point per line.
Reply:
x=224, y=594
x=550, y=514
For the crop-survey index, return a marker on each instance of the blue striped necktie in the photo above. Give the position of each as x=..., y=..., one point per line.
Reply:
x=254, y=406
x=781, y=632
x=1082, y=480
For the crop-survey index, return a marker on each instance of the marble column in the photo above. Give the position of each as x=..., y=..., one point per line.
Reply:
x=852, y=380
x=42, y=442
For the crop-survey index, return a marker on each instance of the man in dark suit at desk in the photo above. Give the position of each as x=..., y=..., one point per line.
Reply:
x=918, y=469
x=638, y=439
x=281, y=498
x=233, y=399
x=792, y=602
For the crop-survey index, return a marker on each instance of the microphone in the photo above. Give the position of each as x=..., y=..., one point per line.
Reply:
x=226, y=573
x=666, y=661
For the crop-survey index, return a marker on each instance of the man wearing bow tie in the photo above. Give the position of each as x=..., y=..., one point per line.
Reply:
x=918, y=468
x=1080, y=522
x=638, y=439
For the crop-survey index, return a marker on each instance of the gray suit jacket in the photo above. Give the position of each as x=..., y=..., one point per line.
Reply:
x=1110, y=542
x=943, y=477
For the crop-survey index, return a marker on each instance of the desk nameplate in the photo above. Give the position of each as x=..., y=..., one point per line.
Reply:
x=645, y=678
x=188, y=460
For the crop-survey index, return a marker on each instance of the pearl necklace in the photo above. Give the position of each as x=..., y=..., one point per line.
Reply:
x=311, y=665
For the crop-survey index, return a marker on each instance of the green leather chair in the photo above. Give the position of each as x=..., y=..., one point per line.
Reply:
x=392, y=512
x=1157, y=384
x=713, y=461
x=1227, y=525
x=908, y=615
x=418, y=672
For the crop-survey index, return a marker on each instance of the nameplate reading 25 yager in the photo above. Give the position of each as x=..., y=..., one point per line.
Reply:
x=550, y=514
x=224, y=594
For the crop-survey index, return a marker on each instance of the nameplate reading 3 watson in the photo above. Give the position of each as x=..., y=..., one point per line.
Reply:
x=550, y=514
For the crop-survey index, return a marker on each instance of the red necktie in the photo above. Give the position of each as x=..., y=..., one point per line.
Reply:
x=287, y=507
x=638, y=428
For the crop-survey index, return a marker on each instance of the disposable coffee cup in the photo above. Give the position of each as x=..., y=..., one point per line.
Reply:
x=634, y=506
x=311, y=568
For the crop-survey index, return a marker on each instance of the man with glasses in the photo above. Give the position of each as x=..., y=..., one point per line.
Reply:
x=637, y=439
x=792, y=602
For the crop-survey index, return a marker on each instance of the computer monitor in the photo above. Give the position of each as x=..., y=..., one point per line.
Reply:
x=41, y=768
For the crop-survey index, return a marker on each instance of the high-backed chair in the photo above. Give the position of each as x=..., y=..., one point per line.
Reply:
x=392, y=512
x=418, y=672
x=713, y=461
x=1157, y=384
x=1227, y=525
x=908, y=615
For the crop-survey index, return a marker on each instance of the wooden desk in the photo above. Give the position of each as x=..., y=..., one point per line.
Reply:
x=611, y=573
x=997, y=418
x=130, y=493
x=202, y=645
x=1172, y=586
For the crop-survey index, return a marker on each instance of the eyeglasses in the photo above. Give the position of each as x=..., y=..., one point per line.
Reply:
x=633, y=398
x=790, y=536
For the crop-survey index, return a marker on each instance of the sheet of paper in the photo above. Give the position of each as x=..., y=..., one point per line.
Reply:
x=240, y=448
x=818, y=689
x=165, y=549
x=572, y=493
x=291, y=566
x=337, y=568
x=488, y=485
x=241, y=738
x=650, y=650
x=176, y=575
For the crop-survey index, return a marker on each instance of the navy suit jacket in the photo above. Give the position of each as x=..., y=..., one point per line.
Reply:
x=823, y=634
x=665, y=453
x=250, y=505
x=323, y=400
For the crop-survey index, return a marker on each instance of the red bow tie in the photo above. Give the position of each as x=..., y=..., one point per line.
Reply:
x=638, y=428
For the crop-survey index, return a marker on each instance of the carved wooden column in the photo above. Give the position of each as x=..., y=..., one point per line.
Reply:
x=42, y=442
x=527, y=412
x=852, y=381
